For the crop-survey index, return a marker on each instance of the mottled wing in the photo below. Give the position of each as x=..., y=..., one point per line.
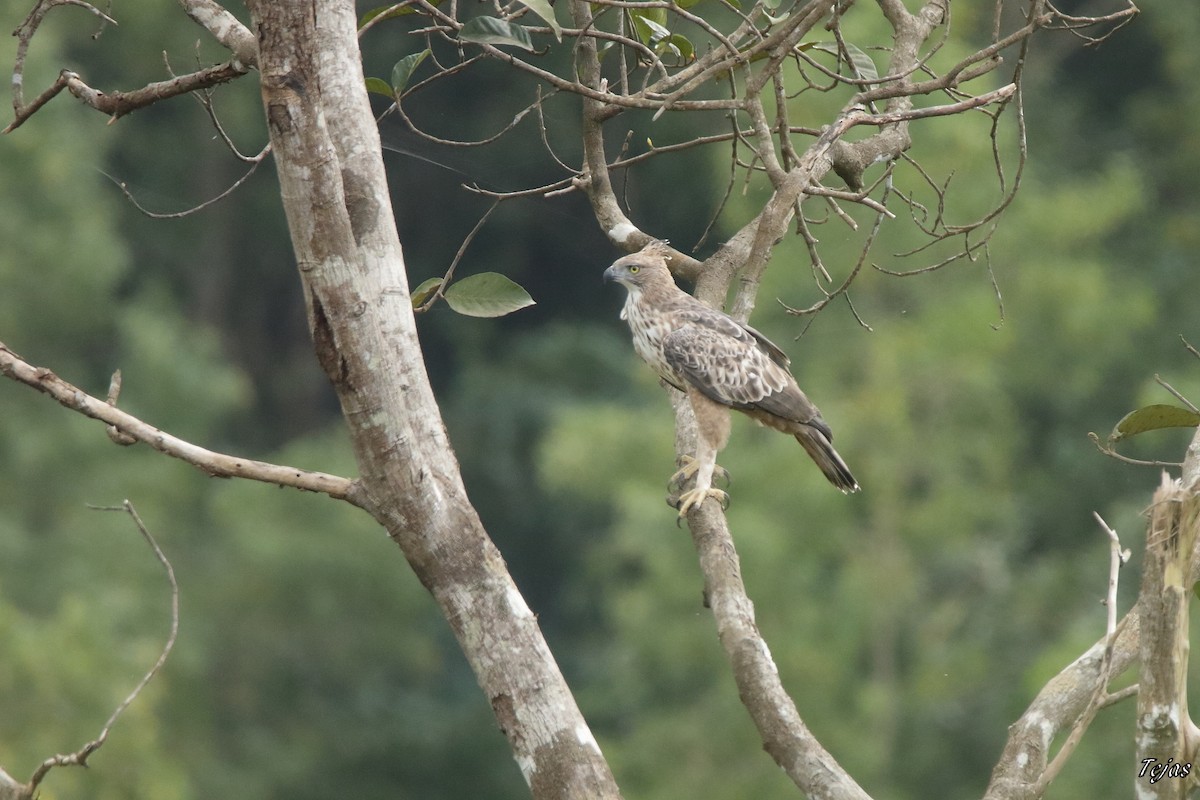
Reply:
x=730, y=370
x=729, y=365
x=696, y=313
x=777, y=355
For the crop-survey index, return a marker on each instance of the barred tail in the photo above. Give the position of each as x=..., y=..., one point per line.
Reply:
x=821, y=451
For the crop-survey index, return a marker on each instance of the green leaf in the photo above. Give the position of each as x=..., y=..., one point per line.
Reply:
x=546, y=11
x=488, y=294
x=650, y=24
x=490, y=30
x=677, y=45
x=1153, y=418
x=422, y=293
x=863, y=64
x=380, y=86
x=404, y=68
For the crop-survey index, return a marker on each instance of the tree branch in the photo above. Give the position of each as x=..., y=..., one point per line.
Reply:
x=118, y=104
x=216, y=19
x=225, y=28
x=1065, y=698
x=596, y=180
x=1100, y=696
x=218, y=465
x=9, y=788
x=785, y=736
x=1060, y=703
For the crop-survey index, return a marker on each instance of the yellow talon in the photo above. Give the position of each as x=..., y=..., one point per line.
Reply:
x=697, y=496
x=687, y=471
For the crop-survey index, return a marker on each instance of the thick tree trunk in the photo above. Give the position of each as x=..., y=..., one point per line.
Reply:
x=334, y=192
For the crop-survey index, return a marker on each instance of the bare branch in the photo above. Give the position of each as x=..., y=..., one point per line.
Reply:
x=514, y=122
x=1176, y=394
x=1061, y=702
x=844, y=287
x=218, y=465
x=118, y=104
x=785, y=736
x=205, y=99
x=1191, y=349
x=1111, y=453
x=114, y=393
x=853, y=197
x=223, y=25
x=595, y=180
x=1121, y=694
x=80, y=757
x=1117, y=559
x=25, y=33
x=1065, y=697
x=255, y=161
x=225, y=28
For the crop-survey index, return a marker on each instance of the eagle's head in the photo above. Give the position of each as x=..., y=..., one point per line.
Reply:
x=638, y=271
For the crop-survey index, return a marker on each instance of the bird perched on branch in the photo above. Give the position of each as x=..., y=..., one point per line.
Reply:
x=720, y=364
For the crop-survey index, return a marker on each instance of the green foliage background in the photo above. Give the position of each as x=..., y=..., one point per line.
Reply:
x=912, y=622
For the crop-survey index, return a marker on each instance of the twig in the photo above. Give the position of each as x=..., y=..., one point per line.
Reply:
x=542, y=129
x=987, y=259
x=218, y=465
x=382, y=15
x=25, y=33
x=1117, y=559
x=204, y=98
x=1176, y=394
x=1111, y=453
x=892, y=117
x=844, y=287
x=1189, y=346
x=233, y=187
x=851, y=197
x=516, y=120
x=114, y=392
x=560, y=186
x=1112, y=698
x=441, y=289
x=80, y=757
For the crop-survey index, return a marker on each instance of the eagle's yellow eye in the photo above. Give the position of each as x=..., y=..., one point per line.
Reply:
x=634, y=269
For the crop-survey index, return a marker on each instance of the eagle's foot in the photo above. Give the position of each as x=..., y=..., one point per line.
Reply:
x=697, y=496
x=687, y=471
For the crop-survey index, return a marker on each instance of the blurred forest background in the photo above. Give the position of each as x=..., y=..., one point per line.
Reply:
x=912, y=622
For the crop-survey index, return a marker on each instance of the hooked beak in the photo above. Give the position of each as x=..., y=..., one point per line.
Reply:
x=610, y=274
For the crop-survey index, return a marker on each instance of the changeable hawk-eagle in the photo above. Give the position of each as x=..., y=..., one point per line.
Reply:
x=720, y=364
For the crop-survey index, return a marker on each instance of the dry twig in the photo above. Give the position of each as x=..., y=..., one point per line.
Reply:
x=218, y=465
x=9, y=789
